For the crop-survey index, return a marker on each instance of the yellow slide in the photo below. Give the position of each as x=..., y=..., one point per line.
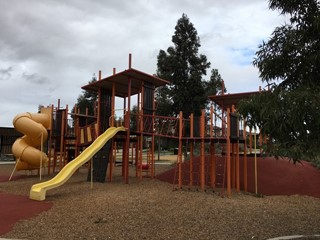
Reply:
x=38, y=191
x=34, y=127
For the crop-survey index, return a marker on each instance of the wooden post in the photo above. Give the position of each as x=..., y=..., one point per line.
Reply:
x=211, y=122
x=180, y=151
x=127, y=141
x=76, y=131
x=245, y=162
x=66, y=159
x=212, y=151
x=228, y=154
x=41, y=149
x=233, y=166
x=238, y=158
x=113, y=156
x=113, y=103
x=141, y=129
x=137, y=161
x=50, y=142
x=153, y=138
x=61, y=164
x=191, y=150
x=255, y=163
x=202, y=154
x=260, y=141
x=130, y=60
x=99, y=106
x=250, y=140
x=237, y=167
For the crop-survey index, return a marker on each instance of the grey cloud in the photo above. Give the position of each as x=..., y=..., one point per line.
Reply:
x=34, y=34
x=55, y=45
x=5, y=73
x=34, y=78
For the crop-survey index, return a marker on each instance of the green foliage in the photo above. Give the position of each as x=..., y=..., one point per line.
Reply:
x=163, y=101
x=133, y=118
x=87, y=100
x=289, y=114
x=184, y=67
x=291, y=119
x=292, y=53
x=214, y=86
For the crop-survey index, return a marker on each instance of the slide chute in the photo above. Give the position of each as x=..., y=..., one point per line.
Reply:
x=38, y=191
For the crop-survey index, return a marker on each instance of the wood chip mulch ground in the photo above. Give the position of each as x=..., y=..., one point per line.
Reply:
x=149, y=209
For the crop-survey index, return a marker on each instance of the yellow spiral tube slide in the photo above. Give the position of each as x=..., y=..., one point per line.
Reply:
x=26, y=149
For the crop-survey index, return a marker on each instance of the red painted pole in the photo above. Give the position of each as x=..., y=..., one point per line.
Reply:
x=130, y=60
x=233, y=166
x=180, y=151
x=202, y=157
x=245, y=162
x=99, y=106
x=228, y=154
x=237, y=167
x=153, y=136
x=191, y=150
x=127, y=125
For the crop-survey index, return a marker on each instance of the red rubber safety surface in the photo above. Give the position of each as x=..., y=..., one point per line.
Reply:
x=275, y=177
x=14, y=208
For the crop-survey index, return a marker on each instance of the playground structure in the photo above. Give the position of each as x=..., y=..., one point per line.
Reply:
x=67, y=137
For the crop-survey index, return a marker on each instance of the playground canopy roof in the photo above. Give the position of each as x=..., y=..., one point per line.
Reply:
x=121, y=81
x=227, y=100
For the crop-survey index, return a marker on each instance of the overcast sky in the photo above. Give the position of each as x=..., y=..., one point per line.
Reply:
x=50, y=48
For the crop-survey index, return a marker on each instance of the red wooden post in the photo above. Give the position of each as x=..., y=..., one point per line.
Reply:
x=180, y=151
x=202, y=157
x=245, y=163
x=130, y=60
x=153, y=139
x=127, y=141
x=50, y=143
x=141, y=130
x=212, y=151
x=237, y=167
x=228, y=154
x=191, y=150
x=99, y=105
x=62, y=143
x=233, y=165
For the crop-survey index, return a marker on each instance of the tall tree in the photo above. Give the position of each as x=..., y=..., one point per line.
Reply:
x=184, y=67
x=87, y=99
x=289, y=114
x=214, y=85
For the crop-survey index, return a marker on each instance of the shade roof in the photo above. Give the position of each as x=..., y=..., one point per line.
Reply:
x=121, y=82
x=227, y=100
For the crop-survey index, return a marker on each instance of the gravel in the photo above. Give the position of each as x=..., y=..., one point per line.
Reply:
x=149, y=209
